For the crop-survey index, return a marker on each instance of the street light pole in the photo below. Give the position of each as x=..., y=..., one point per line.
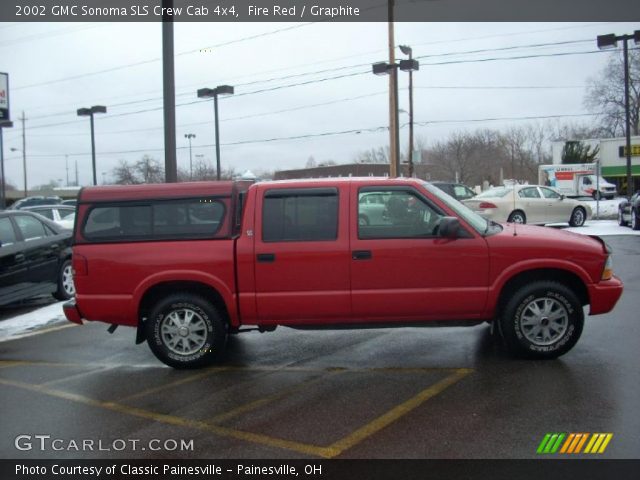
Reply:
x=383, y=68
x=217, y=128
x=88, y=112
x=189, y=136
x=215, y=92
x=407, y=51
x=611, y=40
x=627, y=120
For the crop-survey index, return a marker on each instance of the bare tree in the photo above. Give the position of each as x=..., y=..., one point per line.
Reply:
x=149, y=170
x=373, y=155
x=605, y=95
x=311, y=162
x=125, y=174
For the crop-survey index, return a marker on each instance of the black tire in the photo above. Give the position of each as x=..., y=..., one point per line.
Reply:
x=66, y=289
x=597, y=195
x=524, y=330
x=200, y=343
x=363, y=220
x=578, y=217
x=517, y=215
x=635, y=221
x=621, y=221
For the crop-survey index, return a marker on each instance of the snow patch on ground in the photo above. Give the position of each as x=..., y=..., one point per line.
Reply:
x=34, y=320
x=603, y=228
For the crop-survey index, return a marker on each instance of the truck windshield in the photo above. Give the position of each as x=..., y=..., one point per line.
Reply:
x=480, y=224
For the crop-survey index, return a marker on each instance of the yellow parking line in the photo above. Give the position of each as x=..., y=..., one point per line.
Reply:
x=396, y=413
x=331, y=451
x=181, y=381
x=172, y=420
x=247, y=407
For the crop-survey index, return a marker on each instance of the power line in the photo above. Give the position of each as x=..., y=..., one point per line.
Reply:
x=327, y=134
x=335, y=69
x=153, y=60
x=308, y=82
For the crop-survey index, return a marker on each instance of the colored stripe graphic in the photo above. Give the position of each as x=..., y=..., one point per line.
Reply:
x=573, y=443
x=550, y=443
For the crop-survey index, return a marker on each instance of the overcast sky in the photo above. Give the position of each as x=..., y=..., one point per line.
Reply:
x=56, y=68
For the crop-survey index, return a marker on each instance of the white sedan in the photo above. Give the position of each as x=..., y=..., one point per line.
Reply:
x=63, y=215
x=533, y=204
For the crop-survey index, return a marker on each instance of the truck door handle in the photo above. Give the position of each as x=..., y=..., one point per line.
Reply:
x=361, y=255
x=266, y=257
x=19, y=257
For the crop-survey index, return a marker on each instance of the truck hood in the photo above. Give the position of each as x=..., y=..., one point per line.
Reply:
x=552, y=238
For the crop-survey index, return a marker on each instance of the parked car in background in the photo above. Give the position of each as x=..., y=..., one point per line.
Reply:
x=63, y=215
x=33, y=201
x=35, y=258
x=533, y=204
x=457, y=190
x=629, y=212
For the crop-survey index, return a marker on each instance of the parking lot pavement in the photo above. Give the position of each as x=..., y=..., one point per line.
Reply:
x=397, y=393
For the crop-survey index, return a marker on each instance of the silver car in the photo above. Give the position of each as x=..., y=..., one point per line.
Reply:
x=534, y=204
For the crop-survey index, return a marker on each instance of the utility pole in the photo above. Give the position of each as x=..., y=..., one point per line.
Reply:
x=66, y=166
x=169, y=96
x=24, y=155
x=394, y=150
x=77, y=184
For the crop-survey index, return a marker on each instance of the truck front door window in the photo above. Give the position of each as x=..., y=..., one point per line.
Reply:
x=401, y=214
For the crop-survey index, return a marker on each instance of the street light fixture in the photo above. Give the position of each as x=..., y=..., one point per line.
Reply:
x=215, y=92
x=609, y=41
x=409, y=65
x=88, y=112
x=189, y=136
x=3, y=192
x=384, y=68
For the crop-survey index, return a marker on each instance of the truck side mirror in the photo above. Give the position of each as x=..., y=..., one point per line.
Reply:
x=450, y=228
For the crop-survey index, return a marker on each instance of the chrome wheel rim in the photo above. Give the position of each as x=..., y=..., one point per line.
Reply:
x=517, y=218
x=544, y=321
x=67, y=280
x=183, y=331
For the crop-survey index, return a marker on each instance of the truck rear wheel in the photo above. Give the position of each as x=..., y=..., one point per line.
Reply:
x=185, y=331
x=542, y=320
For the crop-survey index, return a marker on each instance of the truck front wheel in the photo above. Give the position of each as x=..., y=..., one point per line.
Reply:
x=542, y=320
x=185, y=331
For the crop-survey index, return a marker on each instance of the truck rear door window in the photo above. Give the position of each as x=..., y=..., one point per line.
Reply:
x=300, y=215
x=159, y=221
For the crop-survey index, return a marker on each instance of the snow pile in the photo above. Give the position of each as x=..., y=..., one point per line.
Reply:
x=608, y=208
x=34, y=320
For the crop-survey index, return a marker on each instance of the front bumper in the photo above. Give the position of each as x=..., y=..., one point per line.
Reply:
x=604, y=295
x=72, y=313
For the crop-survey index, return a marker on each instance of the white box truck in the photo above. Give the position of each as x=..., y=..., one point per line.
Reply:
x=576, y=180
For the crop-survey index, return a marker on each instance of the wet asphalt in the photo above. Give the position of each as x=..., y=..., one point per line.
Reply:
x=393, y=393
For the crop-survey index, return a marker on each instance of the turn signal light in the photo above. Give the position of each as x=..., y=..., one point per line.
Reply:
x=484, y=205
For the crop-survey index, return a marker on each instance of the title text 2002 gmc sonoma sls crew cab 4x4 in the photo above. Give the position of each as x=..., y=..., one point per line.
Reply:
x=187, y=264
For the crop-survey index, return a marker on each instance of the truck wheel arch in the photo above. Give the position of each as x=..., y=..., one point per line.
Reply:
x=157, y=291
x=516, y=281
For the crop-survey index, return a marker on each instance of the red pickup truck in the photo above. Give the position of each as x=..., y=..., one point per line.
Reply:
x=187, y=264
